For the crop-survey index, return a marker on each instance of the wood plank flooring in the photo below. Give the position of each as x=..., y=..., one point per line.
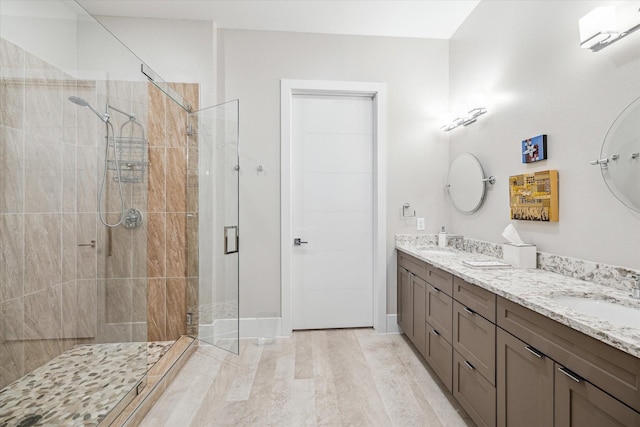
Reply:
x=338, y=377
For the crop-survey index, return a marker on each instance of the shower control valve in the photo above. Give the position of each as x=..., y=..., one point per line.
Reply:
x=133, y=219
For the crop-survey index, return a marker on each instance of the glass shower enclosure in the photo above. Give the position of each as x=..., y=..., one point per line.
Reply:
x=80, y=296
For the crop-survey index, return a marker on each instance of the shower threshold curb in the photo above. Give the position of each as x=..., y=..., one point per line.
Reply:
x=153, y=385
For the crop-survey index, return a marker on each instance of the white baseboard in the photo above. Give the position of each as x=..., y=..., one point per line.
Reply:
x=392, y=324
x=261, y=327
x=266, y=327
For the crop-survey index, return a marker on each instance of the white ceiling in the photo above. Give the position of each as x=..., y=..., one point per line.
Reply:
x=414, y=18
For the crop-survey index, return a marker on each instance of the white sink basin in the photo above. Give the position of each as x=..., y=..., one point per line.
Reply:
x=606, y=310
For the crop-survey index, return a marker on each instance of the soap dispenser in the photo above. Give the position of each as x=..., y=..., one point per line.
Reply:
x=442, y=238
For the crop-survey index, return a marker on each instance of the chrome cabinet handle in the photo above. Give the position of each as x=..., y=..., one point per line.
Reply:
x=436, y=333
x=298, y=241
x=534, y=352
x=92, y=244
x=436, y=290
x=469, y=365
x=570, y=374
x=468, y=310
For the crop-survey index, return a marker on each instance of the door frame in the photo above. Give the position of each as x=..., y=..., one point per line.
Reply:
x=378, y=92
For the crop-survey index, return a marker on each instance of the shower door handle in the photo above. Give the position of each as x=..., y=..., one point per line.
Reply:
x=231, y=247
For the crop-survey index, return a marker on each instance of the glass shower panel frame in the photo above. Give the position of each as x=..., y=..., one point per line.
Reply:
x=215, y=131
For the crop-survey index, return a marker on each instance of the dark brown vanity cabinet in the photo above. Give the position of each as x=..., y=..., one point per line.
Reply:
x=580, y=380
x=509, y=366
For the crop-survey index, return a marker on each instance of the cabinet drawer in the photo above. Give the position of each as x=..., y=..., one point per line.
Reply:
x=414, y=265
x=439, y=356
x=612, y=370
x=440, y=279
x=474, y=393
x=440, y=312
x=474, y=297
x=474, y=337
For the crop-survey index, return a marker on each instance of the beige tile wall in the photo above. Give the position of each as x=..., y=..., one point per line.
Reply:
x=44, y=308
x=53, y=293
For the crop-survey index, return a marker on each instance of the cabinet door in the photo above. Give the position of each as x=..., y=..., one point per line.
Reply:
x=405, y=302
x=581, y=404
x=524, y=384
x=419, y=317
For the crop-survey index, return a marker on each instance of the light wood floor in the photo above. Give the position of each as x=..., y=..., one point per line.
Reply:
x=339, y=377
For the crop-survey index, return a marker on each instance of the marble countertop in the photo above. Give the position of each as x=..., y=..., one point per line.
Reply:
x=536, y=289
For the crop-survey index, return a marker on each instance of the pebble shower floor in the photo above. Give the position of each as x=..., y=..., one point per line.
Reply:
x=79, y=387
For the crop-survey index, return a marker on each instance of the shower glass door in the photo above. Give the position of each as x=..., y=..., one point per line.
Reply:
x=213, y=135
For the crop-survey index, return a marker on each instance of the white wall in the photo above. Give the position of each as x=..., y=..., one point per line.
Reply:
x=525, y=55
x=251, y=64
x=178, y=50
x=52, y=25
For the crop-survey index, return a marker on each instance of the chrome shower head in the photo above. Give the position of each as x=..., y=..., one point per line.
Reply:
x=84, y=103
x=79, y=101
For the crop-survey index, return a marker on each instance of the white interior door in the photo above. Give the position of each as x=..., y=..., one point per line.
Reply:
x=332, y=211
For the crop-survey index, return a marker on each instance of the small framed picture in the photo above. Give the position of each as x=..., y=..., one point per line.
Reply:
x=534, y=149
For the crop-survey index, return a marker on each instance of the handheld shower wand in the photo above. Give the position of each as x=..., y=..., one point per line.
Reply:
x=105, y=118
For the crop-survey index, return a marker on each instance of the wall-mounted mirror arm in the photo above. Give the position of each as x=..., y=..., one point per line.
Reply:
x=491, y=180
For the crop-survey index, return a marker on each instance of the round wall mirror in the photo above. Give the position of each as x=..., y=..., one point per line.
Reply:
x=620, y=154
x=466, y=183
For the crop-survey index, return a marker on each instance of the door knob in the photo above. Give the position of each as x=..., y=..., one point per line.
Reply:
x=298, y=241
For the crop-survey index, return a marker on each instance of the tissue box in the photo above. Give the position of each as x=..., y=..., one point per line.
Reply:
x=523, y=256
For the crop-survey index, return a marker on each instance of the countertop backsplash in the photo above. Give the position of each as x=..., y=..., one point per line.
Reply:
x=589, y=271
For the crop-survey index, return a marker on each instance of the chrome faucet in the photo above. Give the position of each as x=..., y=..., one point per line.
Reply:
x=635, y=281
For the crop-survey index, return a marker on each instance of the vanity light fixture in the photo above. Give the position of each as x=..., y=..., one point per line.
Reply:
x=475, y=104
x=602, y=27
